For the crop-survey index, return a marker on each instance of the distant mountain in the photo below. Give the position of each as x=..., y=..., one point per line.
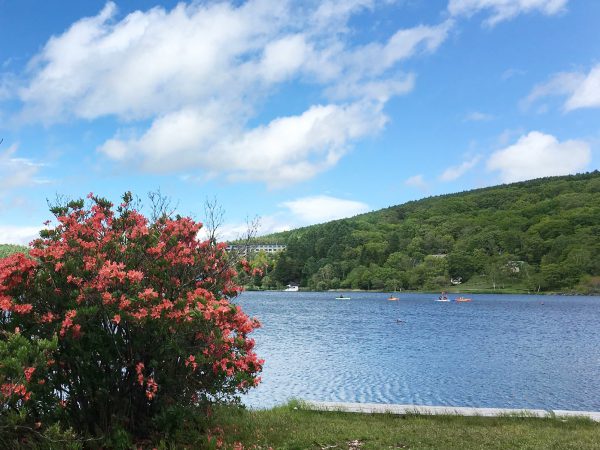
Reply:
x=538, y=235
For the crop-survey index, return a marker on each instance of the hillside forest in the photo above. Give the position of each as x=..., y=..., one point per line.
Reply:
x=535, y=236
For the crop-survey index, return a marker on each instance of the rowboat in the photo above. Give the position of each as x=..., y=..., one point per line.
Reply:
x=442, y=298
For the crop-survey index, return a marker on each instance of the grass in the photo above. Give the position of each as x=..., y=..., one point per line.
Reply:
x=292, y=427
x=483, y=285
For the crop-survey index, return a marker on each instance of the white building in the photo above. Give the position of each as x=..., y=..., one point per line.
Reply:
x=255, y=248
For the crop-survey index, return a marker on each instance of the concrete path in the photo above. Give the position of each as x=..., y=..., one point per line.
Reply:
x=445, y=410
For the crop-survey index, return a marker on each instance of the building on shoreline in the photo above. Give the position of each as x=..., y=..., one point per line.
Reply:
x=255, y=248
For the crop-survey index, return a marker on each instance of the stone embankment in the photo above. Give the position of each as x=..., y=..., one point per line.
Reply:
x=371, y=408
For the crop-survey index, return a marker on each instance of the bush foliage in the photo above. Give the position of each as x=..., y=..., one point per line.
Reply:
x=116, y=324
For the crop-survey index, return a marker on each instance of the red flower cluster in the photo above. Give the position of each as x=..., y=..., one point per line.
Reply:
x=10, y=389
x=191, y=361
x=28, y=372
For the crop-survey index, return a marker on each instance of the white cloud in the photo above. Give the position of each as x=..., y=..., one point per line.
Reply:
x=587, y=93
x=322, y=208
x=17, y=172
x=478, y=116
x=418, y=182
x=200, y=72
x=18, y=235
x=561, y=84
x=284, y=57
x=539, y=155
x=501, y=10
x=296, y=213
x=455, y=172
x=376, y=90
x=287, y=150
x=231, y=231
x=338, y=11
x=580, y=89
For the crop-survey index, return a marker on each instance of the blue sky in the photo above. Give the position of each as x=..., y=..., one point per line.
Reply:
x=298, y=112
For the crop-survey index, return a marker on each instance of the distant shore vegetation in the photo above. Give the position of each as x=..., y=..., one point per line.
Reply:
x=9, y=249
x=535, y=236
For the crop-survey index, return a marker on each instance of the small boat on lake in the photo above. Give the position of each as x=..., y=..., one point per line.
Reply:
x=342, y=297
x=392, y=298
x=442, y=298
x=291, y=288
x=462, y=300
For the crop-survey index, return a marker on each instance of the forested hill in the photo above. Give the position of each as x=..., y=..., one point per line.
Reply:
x=539, y=235
x=8, y=249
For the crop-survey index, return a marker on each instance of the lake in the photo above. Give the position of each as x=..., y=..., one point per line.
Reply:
x=512, y=351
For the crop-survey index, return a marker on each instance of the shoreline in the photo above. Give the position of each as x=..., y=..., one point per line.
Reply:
x=453, y=292
x=397, y=409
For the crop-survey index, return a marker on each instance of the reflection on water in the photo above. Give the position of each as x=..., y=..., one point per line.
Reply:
x=498, y=351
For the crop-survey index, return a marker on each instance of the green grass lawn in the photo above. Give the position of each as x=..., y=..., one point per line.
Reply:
x=292, y=427
x=482, y=284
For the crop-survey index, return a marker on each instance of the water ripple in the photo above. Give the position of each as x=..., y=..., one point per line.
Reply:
x=498, y=351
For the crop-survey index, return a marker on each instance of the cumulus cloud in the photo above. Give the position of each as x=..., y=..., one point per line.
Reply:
x=17, y=172
x=561, y=84
x=538, y=155
x=322, y=208
x=455, y=172
x=587, y=93
x=296, y=213
x=286, y=150
x=417, y=181
x=580, y=89
x=18, y=235
x=231, y=231
x=198, y=74
x=147, y=63
x=501, y=10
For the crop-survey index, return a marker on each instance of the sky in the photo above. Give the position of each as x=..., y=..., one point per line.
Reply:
x=296, y=112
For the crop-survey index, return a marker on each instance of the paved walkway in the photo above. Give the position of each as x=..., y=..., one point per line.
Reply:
x=446, y=410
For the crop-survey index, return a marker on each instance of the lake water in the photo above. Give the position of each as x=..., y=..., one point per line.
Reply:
x=511, y=351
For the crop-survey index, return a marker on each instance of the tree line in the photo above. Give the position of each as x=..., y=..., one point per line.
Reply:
x=538, y=235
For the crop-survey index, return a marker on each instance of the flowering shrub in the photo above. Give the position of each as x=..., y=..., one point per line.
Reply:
x=133, y=320
x=251, y=273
